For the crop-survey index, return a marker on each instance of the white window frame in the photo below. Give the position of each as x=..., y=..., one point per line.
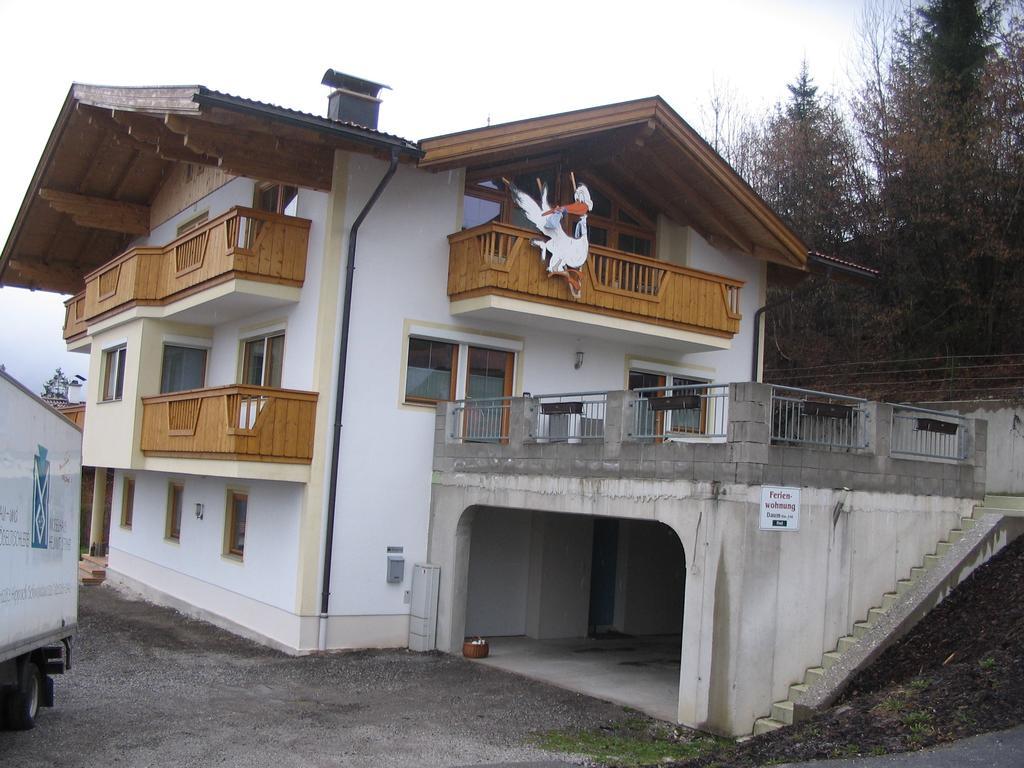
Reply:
x=118, y=352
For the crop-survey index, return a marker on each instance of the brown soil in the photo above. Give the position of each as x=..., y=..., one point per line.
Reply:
x=960, y=672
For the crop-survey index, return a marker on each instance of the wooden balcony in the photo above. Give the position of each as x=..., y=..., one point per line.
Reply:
x=498, y=259
x=243, y=243
x=74, y=317
x=236, y=422
x=75, y=413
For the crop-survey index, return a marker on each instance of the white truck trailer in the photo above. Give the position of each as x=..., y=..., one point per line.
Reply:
x=40, y=492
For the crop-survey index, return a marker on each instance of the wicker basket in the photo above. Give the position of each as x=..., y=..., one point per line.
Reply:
x=473, y=649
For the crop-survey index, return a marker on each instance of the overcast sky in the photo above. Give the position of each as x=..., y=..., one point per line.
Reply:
x=451, y=66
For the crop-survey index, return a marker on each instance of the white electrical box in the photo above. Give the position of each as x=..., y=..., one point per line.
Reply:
x=426, y=579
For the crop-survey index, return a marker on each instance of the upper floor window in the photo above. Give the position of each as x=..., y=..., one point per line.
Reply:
x=277, y=198
x=113, y=373
x=262, y=359
x=613, y=222
x=183, y=368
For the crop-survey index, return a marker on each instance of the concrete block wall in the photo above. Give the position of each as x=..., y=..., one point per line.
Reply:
x=747, y=455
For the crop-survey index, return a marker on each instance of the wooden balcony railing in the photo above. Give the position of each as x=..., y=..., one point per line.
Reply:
x=243, y=243
x=235, y=422
x=499, y=259
x=74, y=316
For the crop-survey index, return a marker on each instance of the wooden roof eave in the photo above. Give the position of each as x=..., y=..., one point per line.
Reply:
x=37, y=176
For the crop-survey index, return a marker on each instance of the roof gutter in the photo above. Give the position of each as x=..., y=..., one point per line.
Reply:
x=339, y=393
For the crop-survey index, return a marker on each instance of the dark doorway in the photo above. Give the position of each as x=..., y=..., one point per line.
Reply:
x=602, y=576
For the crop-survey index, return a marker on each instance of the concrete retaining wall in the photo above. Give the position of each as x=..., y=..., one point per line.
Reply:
x=759, y=606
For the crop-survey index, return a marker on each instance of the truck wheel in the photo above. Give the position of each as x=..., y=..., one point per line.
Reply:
x=22, y=705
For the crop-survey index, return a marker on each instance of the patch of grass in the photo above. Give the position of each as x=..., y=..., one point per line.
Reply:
x=920, y=725
x=895, y=702
x=987, y=663
x=634, y=742
x=919, y=684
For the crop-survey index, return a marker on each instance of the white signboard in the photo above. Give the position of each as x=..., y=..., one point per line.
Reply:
x=780, y=508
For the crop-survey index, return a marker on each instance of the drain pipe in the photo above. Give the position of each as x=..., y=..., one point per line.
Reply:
x=339, y=395
x=758, y=316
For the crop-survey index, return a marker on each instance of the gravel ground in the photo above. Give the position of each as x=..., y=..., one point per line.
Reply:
x=151, y=687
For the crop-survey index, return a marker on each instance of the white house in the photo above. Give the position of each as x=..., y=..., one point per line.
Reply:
x=320, y=353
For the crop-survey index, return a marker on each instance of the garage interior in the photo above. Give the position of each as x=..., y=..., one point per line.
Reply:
x=592, y=604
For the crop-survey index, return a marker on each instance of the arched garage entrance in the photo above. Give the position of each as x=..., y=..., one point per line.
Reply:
x=589, y=603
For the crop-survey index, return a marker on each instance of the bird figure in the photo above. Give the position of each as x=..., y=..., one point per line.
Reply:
x=567, y=252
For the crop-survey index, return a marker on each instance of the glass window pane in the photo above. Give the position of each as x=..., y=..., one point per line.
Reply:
x=477, y=211
x=641, y=246
x=597, y=236
x=489, y=370
x=266, y=199
x=252, y=366
x=289, y=201
x=183, y=368
x=239, y=509
x=429, y=372
x=275, y=346
x=602, y=205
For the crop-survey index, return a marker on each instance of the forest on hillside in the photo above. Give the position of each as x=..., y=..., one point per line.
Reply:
x=916, y=172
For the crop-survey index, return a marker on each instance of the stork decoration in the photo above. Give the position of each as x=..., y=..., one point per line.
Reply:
x=567, y=253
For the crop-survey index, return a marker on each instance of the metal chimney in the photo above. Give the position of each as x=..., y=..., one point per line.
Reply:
x=353, y=100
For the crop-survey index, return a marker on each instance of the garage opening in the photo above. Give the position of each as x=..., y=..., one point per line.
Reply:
x=593, y=604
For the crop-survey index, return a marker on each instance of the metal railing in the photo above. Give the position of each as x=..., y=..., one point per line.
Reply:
x=481, y=420
x=681, y=412
x=923, y=432
x=808, y=417
x=570, y=417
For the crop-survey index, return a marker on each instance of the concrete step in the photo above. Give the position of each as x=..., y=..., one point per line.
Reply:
x=101, y=561
x=845, y=643
x=766, y=725
x=966, y=523
x=796, y=690
x=955, y=535
x=829, y=658
x=860, y=629
x=874, y=614
x=889, y=599
x=942, y=548
x=930, y=561
x=916, y=573
x=783, y=712
x=903, y=585
x=813, y=675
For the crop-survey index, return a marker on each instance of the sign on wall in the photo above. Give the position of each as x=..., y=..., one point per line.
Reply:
x=780, y=508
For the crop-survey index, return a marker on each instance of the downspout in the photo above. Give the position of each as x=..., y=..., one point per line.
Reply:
x=339, y=394
x=758, y=315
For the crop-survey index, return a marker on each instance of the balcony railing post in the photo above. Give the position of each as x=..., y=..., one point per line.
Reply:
x=749, y=413
x=520, y=419
x=877, y=427
x=623, y=409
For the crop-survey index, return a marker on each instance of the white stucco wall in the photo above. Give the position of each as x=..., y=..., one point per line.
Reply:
x=401, y=280
x=195, y=568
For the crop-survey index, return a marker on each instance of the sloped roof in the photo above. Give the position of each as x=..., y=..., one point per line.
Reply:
x=110, y=150
x=646, y=149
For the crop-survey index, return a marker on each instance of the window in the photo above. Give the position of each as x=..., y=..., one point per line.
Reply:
x=261, y=361
x=277, y=198
x=175, y=495
x=113, y=373
x=183, y=368
x=194, y=223
x=430, y=372
x=612, y=223
x=234, y=533
x=127, y=500
x=689, y=418
x=489, y=373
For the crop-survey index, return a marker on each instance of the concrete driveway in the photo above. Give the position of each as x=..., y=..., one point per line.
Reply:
x=152, y=688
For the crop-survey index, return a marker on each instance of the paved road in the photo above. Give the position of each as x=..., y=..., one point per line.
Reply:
x=1002, y=749
x=152, y=688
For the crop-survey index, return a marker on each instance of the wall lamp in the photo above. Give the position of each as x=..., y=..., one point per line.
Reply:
x=199, y=510
x=579, y=361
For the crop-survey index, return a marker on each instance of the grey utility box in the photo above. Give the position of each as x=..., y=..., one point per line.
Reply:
x=396, y=569
x=426, y=580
